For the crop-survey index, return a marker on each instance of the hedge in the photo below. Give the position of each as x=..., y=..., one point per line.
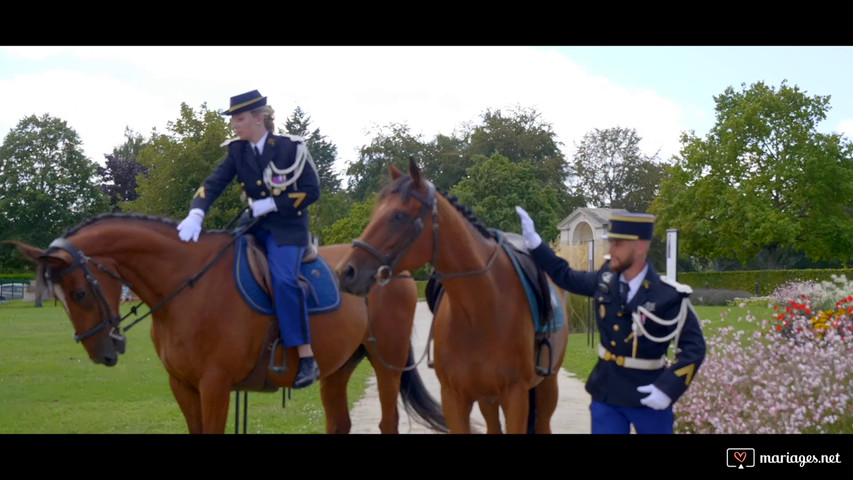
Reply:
x=758, y=282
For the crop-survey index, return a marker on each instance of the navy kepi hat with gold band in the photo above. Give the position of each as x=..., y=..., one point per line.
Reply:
x=245, y=102
x=631, y=226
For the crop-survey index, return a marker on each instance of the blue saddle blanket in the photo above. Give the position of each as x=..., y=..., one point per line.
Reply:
x=319, y=283
x=542, y=326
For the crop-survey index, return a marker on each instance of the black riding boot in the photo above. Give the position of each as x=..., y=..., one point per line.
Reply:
x=308, y=372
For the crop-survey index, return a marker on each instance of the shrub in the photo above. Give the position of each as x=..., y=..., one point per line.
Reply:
x=789, y=380
x=716, y=297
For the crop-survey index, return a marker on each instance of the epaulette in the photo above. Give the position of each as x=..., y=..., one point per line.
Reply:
x=680, y=287
x=226, y=142
x=293, y=138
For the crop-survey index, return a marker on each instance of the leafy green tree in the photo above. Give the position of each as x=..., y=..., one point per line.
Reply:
x=350, y=227
x=47, y=185
x=612, y=172
x=120, y=170
x=327, y=211
x=495, y=185
x=322, y=151
x=178, y=162
x=392, y=144
x=522, y=135
x=445, y=162
x=763, y=178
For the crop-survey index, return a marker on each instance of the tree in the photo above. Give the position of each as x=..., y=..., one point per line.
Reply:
x=47, y=185
x=522, y=135
x=327, y=211
x=612, y=172
x=350, y=227
x=392, y=144
x=322, y=151
x=763, y=178
x=178, y=162
x=494, y=186
x=120, y=170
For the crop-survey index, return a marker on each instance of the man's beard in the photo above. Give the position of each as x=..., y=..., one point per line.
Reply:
x=622, y=266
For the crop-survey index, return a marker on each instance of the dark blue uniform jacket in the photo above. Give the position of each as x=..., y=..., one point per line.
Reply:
x=609, y=382
x=289, y=225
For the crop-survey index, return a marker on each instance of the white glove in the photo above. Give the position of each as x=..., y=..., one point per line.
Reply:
x=656, y=399
x=531, y=238
x=261, y=207
x=190, y=227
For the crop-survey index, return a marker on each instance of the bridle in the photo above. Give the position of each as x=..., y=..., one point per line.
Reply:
x=108, y=319
x=389, y=261
x=81, y=261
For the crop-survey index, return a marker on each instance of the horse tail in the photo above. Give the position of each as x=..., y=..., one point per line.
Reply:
x=417, y=401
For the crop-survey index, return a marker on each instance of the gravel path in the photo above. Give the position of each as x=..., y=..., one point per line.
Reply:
x=572, y=415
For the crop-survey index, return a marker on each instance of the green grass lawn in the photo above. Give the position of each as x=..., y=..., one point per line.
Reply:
x=48, y=384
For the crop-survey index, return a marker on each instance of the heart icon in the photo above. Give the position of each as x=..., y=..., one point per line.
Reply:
x=740, y=456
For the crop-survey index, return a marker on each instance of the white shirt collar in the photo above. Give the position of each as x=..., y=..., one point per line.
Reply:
x=634, y=284
x=260, y=144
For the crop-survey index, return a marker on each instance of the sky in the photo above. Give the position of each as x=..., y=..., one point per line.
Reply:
x=351, y=91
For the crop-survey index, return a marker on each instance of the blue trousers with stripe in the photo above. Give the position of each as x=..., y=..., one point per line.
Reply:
x=290, y=308
x=612, y=419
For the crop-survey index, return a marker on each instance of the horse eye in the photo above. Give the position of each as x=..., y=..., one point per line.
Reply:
x=401, y=217
x=79, y=295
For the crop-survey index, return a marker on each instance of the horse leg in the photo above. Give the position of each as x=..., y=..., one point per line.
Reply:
x=547, y=396
x=388, y=373
x=491, y=413
x=333, y=392
x=190, y=403
x=457, y=411
x=515, y=403
x=388, y=384
x=215, y=395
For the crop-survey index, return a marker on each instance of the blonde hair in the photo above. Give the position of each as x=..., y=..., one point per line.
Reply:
x=269, y=116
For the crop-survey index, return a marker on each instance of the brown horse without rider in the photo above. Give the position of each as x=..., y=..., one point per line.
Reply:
x=208, y=338
x=484, y=332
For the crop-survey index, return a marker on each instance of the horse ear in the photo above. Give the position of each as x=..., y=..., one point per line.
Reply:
x=395, y=174
x=414, y=172
x=38, y=255
x=30, y=253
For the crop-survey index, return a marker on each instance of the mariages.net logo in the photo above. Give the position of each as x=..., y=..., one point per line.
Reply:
x=742, y=458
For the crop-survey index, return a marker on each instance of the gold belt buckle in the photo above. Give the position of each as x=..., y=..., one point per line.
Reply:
x=620, y=360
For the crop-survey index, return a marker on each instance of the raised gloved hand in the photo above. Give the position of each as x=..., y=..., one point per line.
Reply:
x=528, y=231
x=261, y=207
x=656, y=399
x=190, y=227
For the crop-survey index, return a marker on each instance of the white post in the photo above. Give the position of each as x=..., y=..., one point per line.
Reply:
x=672, y=254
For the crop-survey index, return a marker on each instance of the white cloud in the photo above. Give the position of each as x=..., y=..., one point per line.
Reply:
x=345, y=90
x=846, y=128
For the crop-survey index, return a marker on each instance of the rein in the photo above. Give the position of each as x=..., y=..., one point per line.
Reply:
x=107, y=317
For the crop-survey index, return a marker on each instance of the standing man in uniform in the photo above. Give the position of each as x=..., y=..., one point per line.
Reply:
x=639, y=314
x=280, y=179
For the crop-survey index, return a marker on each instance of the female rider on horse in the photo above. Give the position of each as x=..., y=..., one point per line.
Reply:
x=280, y=179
